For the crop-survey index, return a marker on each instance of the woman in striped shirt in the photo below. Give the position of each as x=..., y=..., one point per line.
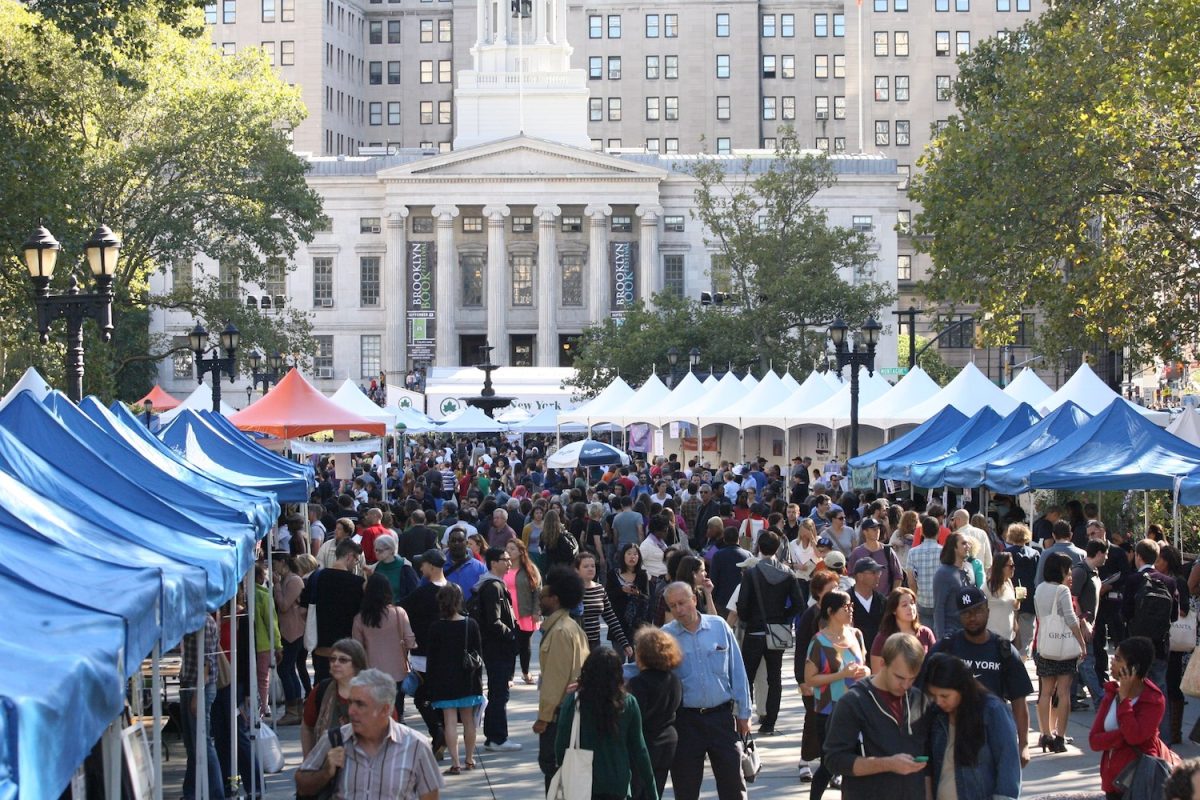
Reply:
x=595, y=605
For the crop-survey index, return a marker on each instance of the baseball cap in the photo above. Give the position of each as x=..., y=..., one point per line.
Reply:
x=870, y=522
x=867, y=564
x=825, y=542
x=835, y=561
x=431, y=556
x=969, y=597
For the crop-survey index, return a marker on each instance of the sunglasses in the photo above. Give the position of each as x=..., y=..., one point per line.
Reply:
x=341, y=660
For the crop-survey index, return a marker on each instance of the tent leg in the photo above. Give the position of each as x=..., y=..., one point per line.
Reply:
x=252, y=649
x=110, y=748
x=156, y=706
x=202, y=787
x=1145, y=510
x=233, y=688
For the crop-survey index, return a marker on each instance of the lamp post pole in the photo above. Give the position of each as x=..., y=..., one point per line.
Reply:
x=855, y=358
x=216, y=363
x=41, y=254
x=673, y=360
x=911, y=313
x=267, y=377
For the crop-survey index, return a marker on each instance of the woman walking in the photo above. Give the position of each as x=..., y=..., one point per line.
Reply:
x=659, y=693
x=524, y=582
x=1059, y=644
x=328, y=705
x=455, y=679
x=287, y=586
x=595, y=605
x=946, y=582
x=384, y=632
x=1002, y=599
x=899, y=616
x=629, y=590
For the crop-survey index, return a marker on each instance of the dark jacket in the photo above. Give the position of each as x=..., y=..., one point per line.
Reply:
x=658, y=694
x=416, y=540
x=1129, y=591
x=445, y=677
x=861, y=726
x=337, y=595
x=779, y=591
x=497, y=624
x=997, y=772
x=868, y=621
x=725, y=572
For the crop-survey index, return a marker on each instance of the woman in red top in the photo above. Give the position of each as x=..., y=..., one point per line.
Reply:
x=1127, y=722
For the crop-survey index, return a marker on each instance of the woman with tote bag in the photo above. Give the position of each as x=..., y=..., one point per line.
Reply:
x=1059, y=644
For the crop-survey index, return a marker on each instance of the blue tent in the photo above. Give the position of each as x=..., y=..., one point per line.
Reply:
x=1119, y=449
x=977, y=471
x=249, y=441
x=898, y=467
x=192, y=437
x=932, y=429
x=930, y=470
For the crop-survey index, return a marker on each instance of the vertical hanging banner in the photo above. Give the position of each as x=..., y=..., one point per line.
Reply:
x=420, y=305
x=622, y=264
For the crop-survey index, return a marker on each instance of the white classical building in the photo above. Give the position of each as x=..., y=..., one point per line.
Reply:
x=521, y=236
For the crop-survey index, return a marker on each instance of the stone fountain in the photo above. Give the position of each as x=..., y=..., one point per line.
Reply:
x=487, y=400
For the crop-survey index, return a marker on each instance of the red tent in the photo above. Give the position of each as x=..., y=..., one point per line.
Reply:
x=161, y=400
x=295, y=408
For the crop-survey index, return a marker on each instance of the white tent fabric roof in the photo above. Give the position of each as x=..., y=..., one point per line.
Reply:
x=514, y=416
x=790, y=384
x=969, y=392
x=646, y=395
x=749, y=381
x=915, y=387
x=613, y=395
x=832, y=379
x=709, y=382
x=414, y=421
x=768, y=393
x=1086, y=390
x=814, y=390
x=1186, y=426
x=472, y=420
x=546, y=421
x=351, y=398
x=31, y=381
x=729, y=390
x=1027, y=387
x=835, y=411
x=687, y=390
x=199, y=400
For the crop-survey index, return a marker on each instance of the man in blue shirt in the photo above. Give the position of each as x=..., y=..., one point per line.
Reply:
x=716, y=699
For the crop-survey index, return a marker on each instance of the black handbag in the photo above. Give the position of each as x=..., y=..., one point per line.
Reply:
x=472, y=662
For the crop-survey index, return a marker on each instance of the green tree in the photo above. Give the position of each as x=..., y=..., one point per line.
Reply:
x=931, y=360
x=1068, y=180
x=181, y=151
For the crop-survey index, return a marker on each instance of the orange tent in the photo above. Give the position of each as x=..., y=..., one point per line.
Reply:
x=295, y=408
x=161, y=400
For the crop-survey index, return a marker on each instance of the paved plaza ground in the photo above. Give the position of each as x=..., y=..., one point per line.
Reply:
x=515, y=776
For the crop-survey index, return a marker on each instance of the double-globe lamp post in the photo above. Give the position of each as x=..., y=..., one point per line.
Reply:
x=267, y=377
x=673, y=359
x=41, y=255
x=216, y=363
x=859, y=353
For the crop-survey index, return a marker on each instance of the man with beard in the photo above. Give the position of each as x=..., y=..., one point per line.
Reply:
x=462, y=567
x=564, y=647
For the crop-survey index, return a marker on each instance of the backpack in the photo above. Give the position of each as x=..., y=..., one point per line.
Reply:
x=1153, y=607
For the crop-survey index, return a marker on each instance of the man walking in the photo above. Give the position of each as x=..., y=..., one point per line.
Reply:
x=421, y=605
x=867, y=601
x=1062, y=544
x=498, y=628
x=564, y=647
x=716, y=699
x=923, y=562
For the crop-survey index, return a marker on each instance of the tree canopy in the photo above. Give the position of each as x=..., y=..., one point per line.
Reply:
x=782, y=268
x=147, y=128
x=1068, y=180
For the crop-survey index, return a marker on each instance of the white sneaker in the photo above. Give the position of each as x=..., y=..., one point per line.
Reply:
x=836, y=783
x=805, y=774
x=506, y=747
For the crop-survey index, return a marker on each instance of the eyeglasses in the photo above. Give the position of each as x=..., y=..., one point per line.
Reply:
x=341, y=660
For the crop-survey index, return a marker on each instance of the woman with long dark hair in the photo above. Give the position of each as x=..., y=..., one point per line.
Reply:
x=596, y=605
x=692, y=571
x=1053, y=598
x=610, y=725
x=900, y=616
x=384, y=632
x=973, y=741
x=1002, y=598
x=628, y=588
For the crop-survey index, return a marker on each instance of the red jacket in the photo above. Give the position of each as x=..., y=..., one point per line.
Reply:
x=1137, y=731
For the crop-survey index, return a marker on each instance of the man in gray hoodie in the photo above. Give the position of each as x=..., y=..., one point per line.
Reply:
x=769, y=596
x=879, y=728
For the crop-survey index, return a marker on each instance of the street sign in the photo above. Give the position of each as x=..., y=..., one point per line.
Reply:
x=893, y=371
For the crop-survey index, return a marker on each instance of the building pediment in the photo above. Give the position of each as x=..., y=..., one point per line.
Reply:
x=522, y=157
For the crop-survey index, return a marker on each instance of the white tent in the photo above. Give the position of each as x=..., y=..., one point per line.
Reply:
x=471, y=420
x=1186, y=426
x=834, y=412
x=661, y=413
x=414, y=421
x=612, y=396
x=749, y=381
x=814, y=390
x=832, y=378
x=768, y=393
x=915, y=387
x=351, y=398
x=1086, y=390
x=710, y=382
x=547, y=421
x=31, y=381
x=729, y=390
x=647, y=394
x=790, y=384
x=199, y=400
x=1027, y=387
x=513, y=416
x=969, y=392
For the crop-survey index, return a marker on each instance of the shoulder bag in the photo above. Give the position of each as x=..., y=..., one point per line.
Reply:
x=779, y=634
x=1055, y=640
x=1190, y=684
x=310, y=621
x=573, y=781
x=1183, y=633
x=472, y=662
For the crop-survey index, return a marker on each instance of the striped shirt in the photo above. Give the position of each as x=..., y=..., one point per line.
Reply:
x=596, y=605
x=403, y=768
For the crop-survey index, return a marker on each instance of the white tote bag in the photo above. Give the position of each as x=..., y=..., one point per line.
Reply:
x=573, y=781
x=1055, y=640
x=1183, y=634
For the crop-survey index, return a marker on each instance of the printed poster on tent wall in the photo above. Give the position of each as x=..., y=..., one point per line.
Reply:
x=688, y=444
x=420, y=306
x=622, y=265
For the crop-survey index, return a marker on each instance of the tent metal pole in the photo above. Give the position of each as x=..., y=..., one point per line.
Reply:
x=271, y=634
x=201, y=746
x=110, y=748
x=1145, y=510
x=156, y=709
x=252, y=710
x=233, y=686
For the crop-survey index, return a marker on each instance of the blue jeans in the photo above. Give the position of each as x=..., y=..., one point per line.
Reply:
x=288, y=674
x=1087, y=674
x=499, y=668
x=1158, y=674
x=216, y=787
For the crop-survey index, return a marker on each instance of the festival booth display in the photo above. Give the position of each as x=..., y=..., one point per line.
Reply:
x=199, y=400
x=159, y=400
x=930, y=470
x=728, y=390
x=1086, y=390
x=1027, y=387
x=1186, y=426
x=615, y=394
x=913, y=389
x=969, y=391
x=865, y=467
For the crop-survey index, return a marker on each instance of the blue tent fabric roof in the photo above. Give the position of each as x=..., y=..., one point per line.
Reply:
x=977, y=471
x=898, y=467
x=930, y=472
x=932, y=429
x=248, y=441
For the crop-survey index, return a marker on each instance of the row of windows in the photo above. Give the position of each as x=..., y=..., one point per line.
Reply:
x=883, y=132
x=445, y=31
x=287, y=51
x=667, y=25
x=881, y=6
x=270, y=10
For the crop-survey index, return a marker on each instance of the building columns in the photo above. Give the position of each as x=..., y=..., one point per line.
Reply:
x=447, y=344
x=547, y=287
x=648, y=269
x=394, y=357
x=497, y=285
x=598, y=278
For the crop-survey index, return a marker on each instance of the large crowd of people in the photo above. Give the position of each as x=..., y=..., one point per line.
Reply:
x=668, y=595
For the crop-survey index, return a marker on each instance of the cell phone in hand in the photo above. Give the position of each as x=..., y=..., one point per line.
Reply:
x=335, y=737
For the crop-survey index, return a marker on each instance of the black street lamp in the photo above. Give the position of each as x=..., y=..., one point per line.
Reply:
x=216, y=363
x=41, y=254
x=673, y=355
x=267, y=377
x=862, y=354
x=693, y=359
x=911, y=313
